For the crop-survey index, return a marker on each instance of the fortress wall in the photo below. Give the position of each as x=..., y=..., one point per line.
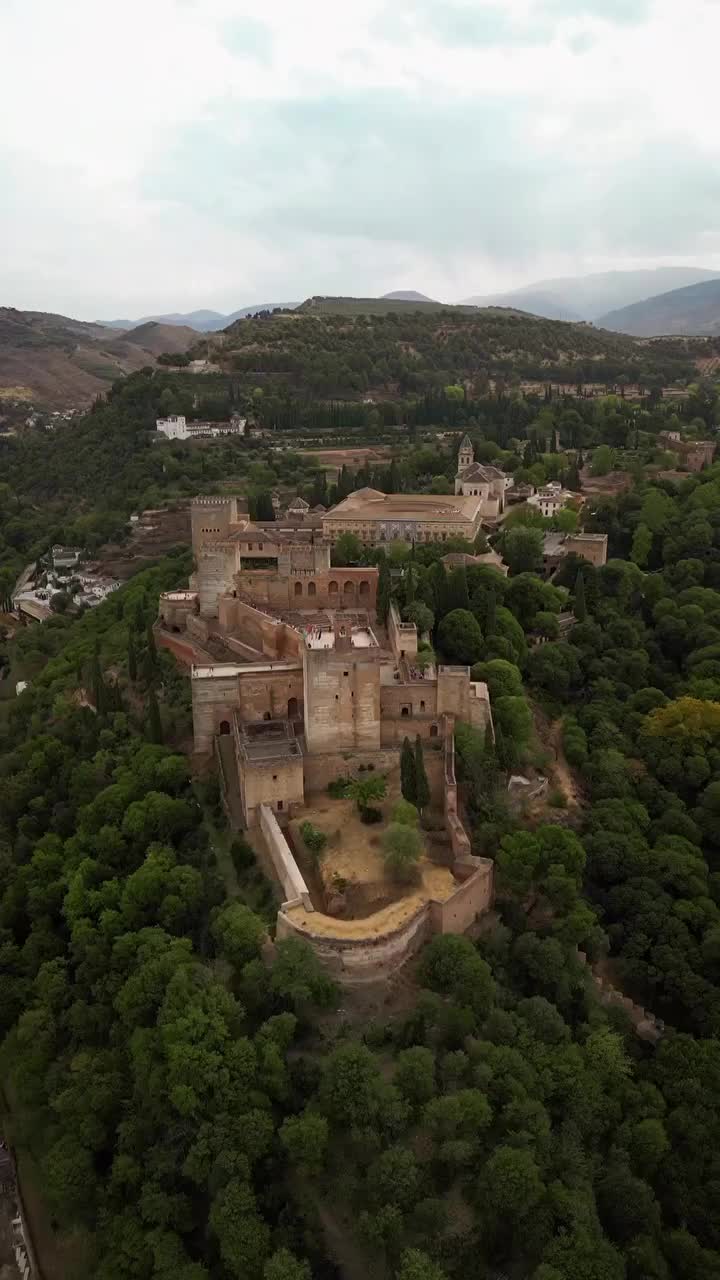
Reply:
x=212, y=517
x=181, y=647
x=403, y=636
x=323, y=768
x=364, y=959
x=471, y=899
x=284, y=865
x=276, y=785
x=213, y=700
x=269, y=692
x=420, y=697
x=453, y=692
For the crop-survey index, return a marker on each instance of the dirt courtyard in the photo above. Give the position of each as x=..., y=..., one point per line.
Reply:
x=349, y=881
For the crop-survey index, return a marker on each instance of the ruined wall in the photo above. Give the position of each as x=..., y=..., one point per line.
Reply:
x=175, y=607
x=270, y=637
x=273, y=784
x=283, y=862
x=342, y=701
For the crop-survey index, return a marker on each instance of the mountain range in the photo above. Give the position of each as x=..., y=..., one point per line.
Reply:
x=591, y=297
x=201, y=321
x=693, y=310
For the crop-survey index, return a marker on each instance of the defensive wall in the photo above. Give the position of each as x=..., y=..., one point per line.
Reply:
x=271, y=637
x=369, y=949
x=284, y=865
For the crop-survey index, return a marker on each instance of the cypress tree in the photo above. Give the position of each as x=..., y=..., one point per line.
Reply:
x=422, y=787
x=457, y=590
x=407, y=773
x=383, y=591
x=132, y=657
x=154, y=726
x=579, y=604
x=98, y=687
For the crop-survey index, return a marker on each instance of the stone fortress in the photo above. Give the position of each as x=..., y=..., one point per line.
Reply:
x=294, y=683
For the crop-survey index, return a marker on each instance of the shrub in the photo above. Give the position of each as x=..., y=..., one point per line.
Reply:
x=370, y=815
x=574, y=740
x=557, y=799
x=402, y=848
x=406, y=814
x=242, y=854
x=314, y=839
x=338, y=787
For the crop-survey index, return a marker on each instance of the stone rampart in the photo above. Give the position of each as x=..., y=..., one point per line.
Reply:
x=284, y=865
x=269, y=635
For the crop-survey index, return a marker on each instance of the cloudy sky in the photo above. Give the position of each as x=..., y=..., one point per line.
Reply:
x=174, y=154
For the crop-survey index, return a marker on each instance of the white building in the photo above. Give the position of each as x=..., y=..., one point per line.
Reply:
x=475, y=480
x=551, y=498
x=176, y=427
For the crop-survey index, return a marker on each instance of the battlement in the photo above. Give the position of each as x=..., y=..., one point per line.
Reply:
x=212, y=500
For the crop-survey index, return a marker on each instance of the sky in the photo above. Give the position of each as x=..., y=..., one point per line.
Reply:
x=166, y=155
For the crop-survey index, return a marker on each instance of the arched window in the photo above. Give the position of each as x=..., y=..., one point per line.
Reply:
x=404, y=711
x=267, y=716
x=298, y=588
x=312, y=589
x=333, y=588
x=224, y=726
x=292, y=708
x=422, y=706
x=433, y=731
x=364, y=588
x=349, y=589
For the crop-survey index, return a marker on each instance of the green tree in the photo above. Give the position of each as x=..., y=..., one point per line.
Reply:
x=416, y=1265
x=641, y=545
x=347, y=550
x=422, y=786
x=305, y=1138
x=383, y=592
x=523, y=549
x=402, y=850
x=364, y=791
x=460, y=637
x=408, y=777
x=421, y=615
x=283, y=1265
x=154, y=729
x=132, y=657
x=238, y=933
x=603, y=460
x=415, y=1074
x=579, y=604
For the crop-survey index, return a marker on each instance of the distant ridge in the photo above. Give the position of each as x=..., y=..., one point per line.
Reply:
x=201, y=321
x=373, y=306
x=694, y=311
x=406, y=295
x=592, y=297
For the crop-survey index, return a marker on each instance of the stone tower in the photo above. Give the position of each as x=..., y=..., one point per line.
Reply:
x=466, y=456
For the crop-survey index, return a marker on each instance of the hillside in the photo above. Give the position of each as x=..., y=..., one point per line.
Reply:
x=59, y=362
x=156, y=338
x=590, y=297
x=342, y=348
x=694, y=311
x=374, y=306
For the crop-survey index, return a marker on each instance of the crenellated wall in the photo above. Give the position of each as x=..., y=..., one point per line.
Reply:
x=271, y=637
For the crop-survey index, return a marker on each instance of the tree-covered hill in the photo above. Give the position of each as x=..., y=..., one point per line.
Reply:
x=354, y=347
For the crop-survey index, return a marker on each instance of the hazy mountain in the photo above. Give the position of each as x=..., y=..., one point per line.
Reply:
x=201, y=321
x=592, y=296
x=61, y=362
x=693, y=310
x=406, y=295
x=532, y=302
x=156, y=338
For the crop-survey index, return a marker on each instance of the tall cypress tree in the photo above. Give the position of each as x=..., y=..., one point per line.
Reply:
x=154, y=724
x=383, y=591
x=422, y=786
x=579, y=604
x=457, y=590
x=407, y=773
x=98, y=686
x=132, y=656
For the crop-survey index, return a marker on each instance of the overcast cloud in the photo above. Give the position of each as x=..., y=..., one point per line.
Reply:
x=173, y=154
